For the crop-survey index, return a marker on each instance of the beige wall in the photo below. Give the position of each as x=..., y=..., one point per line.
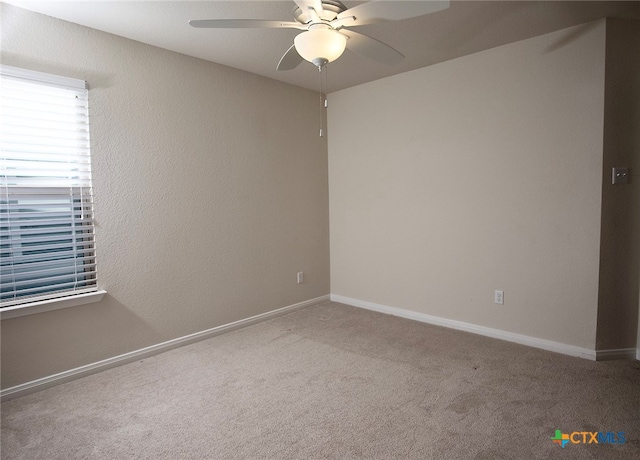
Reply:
x=482, y=173
x=620, y=243
x=447, y=183
x=210, y=189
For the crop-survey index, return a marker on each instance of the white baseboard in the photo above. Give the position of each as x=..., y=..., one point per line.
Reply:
x=535, y=342
x=619, y=353
x=83, y=371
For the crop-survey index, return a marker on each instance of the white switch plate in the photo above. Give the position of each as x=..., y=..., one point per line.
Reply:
x=300, y=277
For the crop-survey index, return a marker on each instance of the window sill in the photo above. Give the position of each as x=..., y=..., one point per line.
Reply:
x=53, y=304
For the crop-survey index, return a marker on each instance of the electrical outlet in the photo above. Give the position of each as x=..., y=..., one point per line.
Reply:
x=499, y=297
x=300, y=277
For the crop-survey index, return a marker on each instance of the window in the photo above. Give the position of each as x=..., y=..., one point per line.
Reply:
x=47, y=247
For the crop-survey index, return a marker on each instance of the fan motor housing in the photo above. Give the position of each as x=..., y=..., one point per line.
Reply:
x=330, y=10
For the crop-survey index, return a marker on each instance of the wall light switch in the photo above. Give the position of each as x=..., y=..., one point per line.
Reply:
x=620, y=175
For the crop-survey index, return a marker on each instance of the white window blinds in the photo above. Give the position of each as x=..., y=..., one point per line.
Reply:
x=46, y=208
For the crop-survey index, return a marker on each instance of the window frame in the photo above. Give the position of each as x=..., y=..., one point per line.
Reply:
x=79, y=205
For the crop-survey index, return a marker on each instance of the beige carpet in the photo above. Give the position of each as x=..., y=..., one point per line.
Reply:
x=332, y=381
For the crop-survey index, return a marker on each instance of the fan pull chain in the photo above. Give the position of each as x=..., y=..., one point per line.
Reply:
x=322, y=71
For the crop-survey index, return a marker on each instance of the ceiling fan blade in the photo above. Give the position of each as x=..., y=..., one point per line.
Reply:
x=290, y=60
x=391, y=10
x=372, y=48
x=244, y=24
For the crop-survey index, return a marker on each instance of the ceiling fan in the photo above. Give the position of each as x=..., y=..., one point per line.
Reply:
x=326, y=26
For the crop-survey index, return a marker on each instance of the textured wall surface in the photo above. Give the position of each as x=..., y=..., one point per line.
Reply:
x=447, y=183
x=479, y=174
x=620, y=243
x=210, y=194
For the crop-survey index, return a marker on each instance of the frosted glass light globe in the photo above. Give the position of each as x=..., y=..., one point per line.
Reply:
x=320, y=46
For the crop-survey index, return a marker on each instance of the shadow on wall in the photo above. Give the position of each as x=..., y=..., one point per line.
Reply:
x=69, y=338
x=572, y=35
x=620, y=230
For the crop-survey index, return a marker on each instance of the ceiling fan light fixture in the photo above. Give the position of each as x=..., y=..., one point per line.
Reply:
x=320, y=45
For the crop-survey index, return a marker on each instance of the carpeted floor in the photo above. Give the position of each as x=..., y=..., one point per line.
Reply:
x=333, y=381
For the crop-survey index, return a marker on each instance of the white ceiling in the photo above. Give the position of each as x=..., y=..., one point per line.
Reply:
x=466, y=27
